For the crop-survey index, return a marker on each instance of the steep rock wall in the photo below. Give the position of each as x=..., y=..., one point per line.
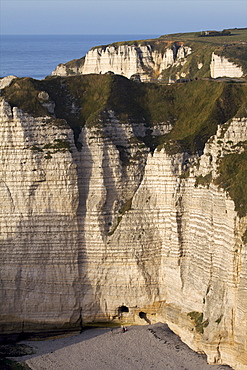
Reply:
x=222, y=67
x=180, y=247
x=39, y=231
x=147, y=62
x=52, y=198
x=127, y=60
x=85, y=233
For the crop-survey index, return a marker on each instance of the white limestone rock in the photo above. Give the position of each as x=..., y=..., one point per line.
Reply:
x=85, y=233
x=128, y=60
x=5, y=81
x=60, y=70
x=46, y=102
x=144, y=61
x=222, y=67
x=39, y=199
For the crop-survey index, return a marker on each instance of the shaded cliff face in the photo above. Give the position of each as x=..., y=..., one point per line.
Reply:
x=124, y=201
x=170, y=57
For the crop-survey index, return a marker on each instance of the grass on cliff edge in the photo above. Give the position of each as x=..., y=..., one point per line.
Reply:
x=193, y=110
x=231, y=46
x=233, y=178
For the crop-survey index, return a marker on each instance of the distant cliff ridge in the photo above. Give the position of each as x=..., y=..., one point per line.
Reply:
x=169, y=57
x=127, y=60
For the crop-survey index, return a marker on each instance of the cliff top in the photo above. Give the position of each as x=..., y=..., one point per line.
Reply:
x=193, y=110
x=231, y=44
x=237, y=35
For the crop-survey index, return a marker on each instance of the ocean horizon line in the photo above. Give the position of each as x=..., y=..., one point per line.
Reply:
x=37, y=55
x=82, y=34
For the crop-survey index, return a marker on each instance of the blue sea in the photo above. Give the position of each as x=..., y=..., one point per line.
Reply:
x=37, y=56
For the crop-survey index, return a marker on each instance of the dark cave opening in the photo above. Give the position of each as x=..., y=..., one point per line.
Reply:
x=143, y=316
x=122, y=309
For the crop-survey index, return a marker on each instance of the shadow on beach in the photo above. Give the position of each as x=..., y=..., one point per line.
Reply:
x=139, y=348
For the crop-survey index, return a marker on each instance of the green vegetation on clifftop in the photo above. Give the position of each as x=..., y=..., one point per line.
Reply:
x=192, y=110
x=233, y=178
x=229, y=43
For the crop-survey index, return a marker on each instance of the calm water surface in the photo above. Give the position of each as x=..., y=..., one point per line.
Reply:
x=37, y=56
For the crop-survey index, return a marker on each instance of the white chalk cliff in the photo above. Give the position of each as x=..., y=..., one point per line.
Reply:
x=148, y=62
x=5, y=81
x=222, y=67
x=128, y=60
x=89, y=235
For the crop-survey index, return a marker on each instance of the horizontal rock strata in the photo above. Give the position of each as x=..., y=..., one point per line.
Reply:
x=149, y=63
x=115, y=232
x=127, y=60
x=222, y=67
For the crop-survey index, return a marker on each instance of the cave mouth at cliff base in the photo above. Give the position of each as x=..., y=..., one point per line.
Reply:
x=122, y=309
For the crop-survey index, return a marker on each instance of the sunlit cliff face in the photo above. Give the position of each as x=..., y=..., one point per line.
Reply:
x=109, y=215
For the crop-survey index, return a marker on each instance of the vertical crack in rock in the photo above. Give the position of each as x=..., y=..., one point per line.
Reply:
x=175, y=48
x=217, y=360
x=111, y=180
x=140, y=261
x=179, y=220
x=84, y=291
x=237, y=258
x=6, y=196
x=179, y=191
x=180, y=235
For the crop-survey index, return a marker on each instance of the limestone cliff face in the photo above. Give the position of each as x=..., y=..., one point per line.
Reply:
x=39, y=199
x=222, y=67
x=5, y=81
x=127, y=60
x=170, y=60
x=212, y=264
x=117, y=232
x=179, y=247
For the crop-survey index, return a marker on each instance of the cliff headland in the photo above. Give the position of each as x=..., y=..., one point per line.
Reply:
x=167, y=58
x=125, y=201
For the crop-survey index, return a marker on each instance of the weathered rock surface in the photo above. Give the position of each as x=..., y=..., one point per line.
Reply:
x=38, y=213
x=5, y=81
x=115, y=231
x=154, y=60
x=127, y=60
x=222, y=67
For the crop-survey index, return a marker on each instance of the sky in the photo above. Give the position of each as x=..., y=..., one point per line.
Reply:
x=154, y=17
